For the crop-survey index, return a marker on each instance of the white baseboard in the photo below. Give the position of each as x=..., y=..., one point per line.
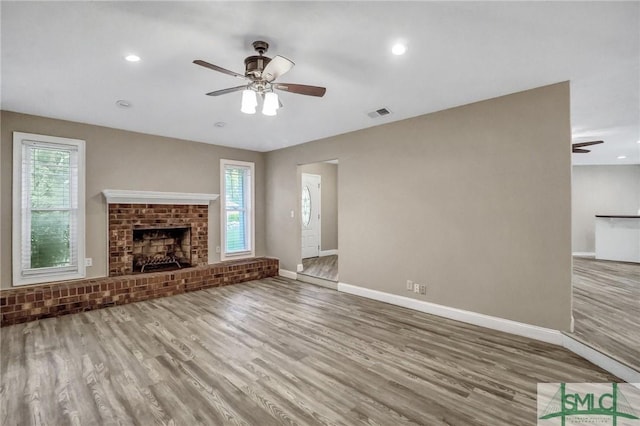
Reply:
x=287, y=274
x=328, y=252
x=601, y=360
x=518, y=328
x=572, y=327
x=583, y=254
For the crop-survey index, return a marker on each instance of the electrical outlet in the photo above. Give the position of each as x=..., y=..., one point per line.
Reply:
x=217, y=249
x=416, y=288
x=423, y=289
x=88, y=261
x=409, y=285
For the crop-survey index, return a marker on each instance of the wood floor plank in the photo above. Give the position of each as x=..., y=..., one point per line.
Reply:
x=606, y=307
x=273, y=352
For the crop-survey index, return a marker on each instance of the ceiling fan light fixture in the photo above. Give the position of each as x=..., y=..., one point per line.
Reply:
x=270, y=104
x=249, y=101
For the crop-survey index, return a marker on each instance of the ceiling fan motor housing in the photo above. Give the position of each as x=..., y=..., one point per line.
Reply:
x=253, y=65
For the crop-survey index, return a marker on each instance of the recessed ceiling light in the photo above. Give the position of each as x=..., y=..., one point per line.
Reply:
x=132, y=58
x=123, y=104
x=398, y=49
x=621, y=157
x=220, y=124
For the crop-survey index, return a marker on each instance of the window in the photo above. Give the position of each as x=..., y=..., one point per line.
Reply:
x=48, y=208
x=237, y=209
x=306, y=206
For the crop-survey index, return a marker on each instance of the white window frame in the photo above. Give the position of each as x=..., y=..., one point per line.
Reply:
x=20, y=276
x=250, y=211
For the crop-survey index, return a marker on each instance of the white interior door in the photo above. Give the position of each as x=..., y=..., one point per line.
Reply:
x=310, y=215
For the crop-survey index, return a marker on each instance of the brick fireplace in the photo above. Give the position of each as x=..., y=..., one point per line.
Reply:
x=156, y=227
x=149, y=229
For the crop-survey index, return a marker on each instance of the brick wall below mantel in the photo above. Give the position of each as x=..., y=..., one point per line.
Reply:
x=30, y=303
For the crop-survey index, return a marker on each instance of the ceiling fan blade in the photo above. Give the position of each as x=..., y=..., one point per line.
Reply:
x=301, y=89
x=219, y=69
x=580, y=151
x=225, y=91
x=276, y=67
x=579, y=144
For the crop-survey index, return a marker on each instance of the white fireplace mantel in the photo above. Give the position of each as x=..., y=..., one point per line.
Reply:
x=114, y=196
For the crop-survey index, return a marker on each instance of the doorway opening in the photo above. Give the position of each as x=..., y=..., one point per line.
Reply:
x=319, y=220
x=606, y=278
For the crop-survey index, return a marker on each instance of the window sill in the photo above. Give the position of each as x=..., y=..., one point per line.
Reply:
x=235, y=256
x=49, y=278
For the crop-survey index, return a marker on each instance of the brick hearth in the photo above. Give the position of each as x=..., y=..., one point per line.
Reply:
x=24, y=304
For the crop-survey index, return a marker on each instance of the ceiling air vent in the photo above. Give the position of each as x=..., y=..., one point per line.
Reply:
x=379, y=113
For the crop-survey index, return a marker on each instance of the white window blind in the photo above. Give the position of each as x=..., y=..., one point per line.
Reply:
x=49, y=206
x=237, y=212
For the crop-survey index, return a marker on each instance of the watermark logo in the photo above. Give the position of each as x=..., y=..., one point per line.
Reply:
x=616, y=404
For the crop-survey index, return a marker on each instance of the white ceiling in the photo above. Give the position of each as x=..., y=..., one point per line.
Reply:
x=65, y=60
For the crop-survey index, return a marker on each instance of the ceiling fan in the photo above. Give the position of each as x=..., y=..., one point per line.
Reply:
x=577, y=147
x=261, y=74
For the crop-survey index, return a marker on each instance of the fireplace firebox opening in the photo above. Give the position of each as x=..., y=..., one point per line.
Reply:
x=161, y=249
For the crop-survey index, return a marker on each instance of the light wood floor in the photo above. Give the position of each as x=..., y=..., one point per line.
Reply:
x=324, y=267
x=273, y=352
x=606, y=307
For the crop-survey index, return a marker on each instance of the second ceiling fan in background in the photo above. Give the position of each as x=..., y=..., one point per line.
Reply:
x=577, y=147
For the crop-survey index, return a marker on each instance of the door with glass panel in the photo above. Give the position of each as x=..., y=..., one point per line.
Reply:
x=310, y=215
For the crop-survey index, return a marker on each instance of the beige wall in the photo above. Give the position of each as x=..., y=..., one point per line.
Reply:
x=118, y=159
x=602, y=190
x=473, y=201
x=328, y=202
